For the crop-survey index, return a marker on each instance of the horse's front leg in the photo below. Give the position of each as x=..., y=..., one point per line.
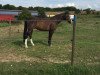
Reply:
x=50, y=37
x=31, y=41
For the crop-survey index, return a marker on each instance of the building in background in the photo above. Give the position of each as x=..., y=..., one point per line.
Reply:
x=51, y=14
x=11, y=15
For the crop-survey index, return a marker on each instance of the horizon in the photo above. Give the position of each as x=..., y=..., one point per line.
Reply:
x=95, y=5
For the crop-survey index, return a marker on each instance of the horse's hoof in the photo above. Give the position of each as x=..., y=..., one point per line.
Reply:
x=50, y=45
x=26, y=47
x=33, y=45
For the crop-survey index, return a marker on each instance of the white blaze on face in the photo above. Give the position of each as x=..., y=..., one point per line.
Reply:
x=31, y=42
x=26, y=43
x=71, y=17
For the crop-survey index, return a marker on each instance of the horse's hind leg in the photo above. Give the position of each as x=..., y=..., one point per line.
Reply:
x=25, y=38
x=50, y=37
x=26, y=46
x=30, y=35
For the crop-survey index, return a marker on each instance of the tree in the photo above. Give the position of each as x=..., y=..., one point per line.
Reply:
x=48, y=9
x=10, y=7
x=41, y=11
x=30, y=8
x=6, y=6
x=88, y=10
x=0, y=6
x=77, y=11
x=25, y=15
x=21, y=8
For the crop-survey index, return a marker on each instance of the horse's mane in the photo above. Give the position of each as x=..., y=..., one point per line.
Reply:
x=58, y=16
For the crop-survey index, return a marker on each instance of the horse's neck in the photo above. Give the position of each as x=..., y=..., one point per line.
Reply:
x=57, y=18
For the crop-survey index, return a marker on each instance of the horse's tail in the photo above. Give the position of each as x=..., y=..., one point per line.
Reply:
x=25, y=31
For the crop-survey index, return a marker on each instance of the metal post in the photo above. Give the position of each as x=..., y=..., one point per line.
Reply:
x=10, y=28
x=73, y=40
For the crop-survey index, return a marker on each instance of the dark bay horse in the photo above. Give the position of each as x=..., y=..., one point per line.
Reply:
x=47, y=24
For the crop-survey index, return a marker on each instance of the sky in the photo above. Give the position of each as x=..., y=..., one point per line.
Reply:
x=80, y=4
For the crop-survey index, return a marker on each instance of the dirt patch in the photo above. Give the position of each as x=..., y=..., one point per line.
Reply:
x=10, y=31
x=18, y=58
x=15, y=58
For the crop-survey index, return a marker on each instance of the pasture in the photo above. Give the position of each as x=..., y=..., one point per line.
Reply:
x=55, y=60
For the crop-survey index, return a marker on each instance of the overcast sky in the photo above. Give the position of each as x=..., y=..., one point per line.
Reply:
x=81, y=4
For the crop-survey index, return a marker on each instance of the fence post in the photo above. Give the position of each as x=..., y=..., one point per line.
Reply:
x=10, y=29
x=73, y=40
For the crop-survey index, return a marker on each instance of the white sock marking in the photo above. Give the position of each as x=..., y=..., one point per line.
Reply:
x=26, y=43
x=31, y=42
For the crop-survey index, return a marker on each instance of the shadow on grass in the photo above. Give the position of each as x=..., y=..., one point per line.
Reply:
x=97, y=16
x=41, y=42
x=20, y=43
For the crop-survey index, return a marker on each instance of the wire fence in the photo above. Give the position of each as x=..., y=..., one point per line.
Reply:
x=87, y=48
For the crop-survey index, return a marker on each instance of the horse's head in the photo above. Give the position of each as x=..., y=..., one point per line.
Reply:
x=68, y=17
x=71, y=18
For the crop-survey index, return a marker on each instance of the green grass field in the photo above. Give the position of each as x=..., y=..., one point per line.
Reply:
x=4, y=24
x=55, y=60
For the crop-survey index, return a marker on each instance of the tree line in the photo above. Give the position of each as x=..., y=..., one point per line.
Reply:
x=42, y=10
x=12, y=7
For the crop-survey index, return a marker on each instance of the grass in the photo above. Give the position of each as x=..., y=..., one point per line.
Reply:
x=44, y=69
x=13, y=23
x=44, y=60
x=4, y=24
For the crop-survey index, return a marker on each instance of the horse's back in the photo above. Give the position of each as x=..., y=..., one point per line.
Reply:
x=45, y=25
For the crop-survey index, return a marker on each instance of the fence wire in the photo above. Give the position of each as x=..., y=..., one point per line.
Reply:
x=87, y=45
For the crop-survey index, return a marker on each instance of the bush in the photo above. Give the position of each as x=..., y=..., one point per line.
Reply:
x=25, y=15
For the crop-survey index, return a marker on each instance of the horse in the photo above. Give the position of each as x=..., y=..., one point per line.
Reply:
x=47, y=24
